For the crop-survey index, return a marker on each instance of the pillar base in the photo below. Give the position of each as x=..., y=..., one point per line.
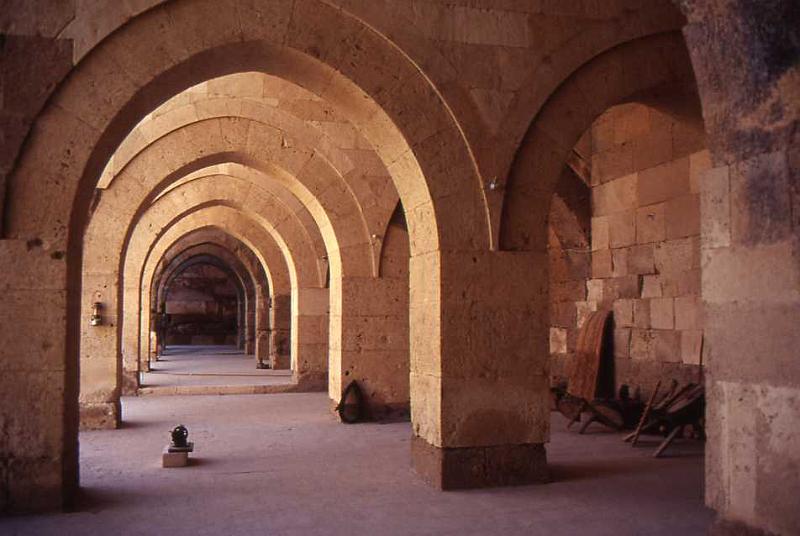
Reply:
x=99, y=415
x=130, y=382
x=723, y=527
x=479, y=467
x=311, y=381
x=280, y=362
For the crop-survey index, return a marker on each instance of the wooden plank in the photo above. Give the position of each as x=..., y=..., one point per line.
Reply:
x=588, y=355
x=645, y=414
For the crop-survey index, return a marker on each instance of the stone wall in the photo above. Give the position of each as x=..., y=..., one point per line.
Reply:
x=645, y=246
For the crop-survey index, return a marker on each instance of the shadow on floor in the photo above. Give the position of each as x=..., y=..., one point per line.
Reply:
x=96, y=500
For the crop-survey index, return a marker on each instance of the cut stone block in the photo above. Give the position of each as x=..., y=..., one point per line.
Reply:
x=618, y=195
x=641, y=344
x=650, y=226
x=651, y=286
x=558, y=341
x=602, y=264
x=622, y=229
x=688, y=313
x=623, y=313
x=682, y=216
x=594, y=290
x=622, y=339
x=641, y=259
x=667, y=346
x=691, y=346
x=662, y=315
x=641, y=313
x=600, y=230
x=174, y=459
x=619, y=262
x=664, y=182
x=699, y=163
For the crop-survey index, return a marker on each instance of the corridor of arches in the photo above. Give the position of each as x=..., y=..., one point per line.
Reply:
x=279, y=200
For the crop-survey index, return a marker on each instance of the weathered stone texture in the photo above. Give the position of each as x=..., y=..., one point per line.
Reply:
x=362, y=103
x=479, y=467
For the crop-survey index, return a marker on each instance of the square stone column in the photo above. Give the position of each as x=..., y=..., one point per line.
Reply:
x=310, y=337
x=479, y=355
x=369, y=344
x=279, y=338
x=38, y=438
x=751, y=290
x=100, y=366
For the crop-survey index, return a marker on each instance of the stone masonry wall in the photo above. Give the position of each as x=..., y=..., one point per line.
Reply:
x=645, y=245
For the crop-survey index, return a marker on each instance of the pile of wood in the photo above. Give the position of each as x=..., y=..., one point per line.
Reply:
x=679, y=411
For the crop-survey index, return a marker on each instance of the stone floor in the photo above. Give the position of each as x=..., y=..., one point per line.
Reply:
x=280, y=464
x=208, y=366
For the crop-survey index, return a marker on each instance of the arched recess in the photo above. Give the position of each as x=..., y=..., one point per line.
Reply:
x=362, y=172
x=288, y=236
x=237, y=254
x=616, y=76
x=549, y=174
x=308, y=321
x=550, y=69
x=98, y=391
x=99, y=251
x=245, y=310
x=273, y=326
x=247, y=314
x=320, y=188
x=453, y=272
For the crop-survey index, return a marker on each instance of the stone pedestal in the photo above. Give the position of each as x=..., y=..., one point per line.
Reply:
x=176, y=456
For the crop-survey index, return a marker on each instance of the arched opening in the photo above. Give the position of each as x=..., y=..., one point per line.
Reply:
x=513, y=136
x=610, y=189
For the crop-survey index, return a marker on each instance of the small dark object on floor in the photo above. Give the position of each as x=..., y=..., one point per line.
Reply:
x=351, y=412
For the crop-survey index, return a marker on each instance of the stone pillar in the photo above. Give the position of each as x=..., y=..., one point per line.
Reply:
x=745, y=56
x=152, y=352
x=134, y=345
x=38, y=438
x=241, y=324
x=250, y=328
x=261, y=325
x=309, y=338
x=280, y=344
x=479, y=383
x=369, y=343
x=100, y=365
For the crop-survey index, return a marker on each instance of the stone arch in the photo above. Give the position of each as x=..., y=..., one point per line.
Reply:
x=220, y=257
x=270, y=186
x=622, y=73
x=272, y=325
x=366, y=178
x=302, y=267
x=176, y=197
x=335, y=56
x=317, y=186
x=245, y=296
x=234, y=252
x=307, y=344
